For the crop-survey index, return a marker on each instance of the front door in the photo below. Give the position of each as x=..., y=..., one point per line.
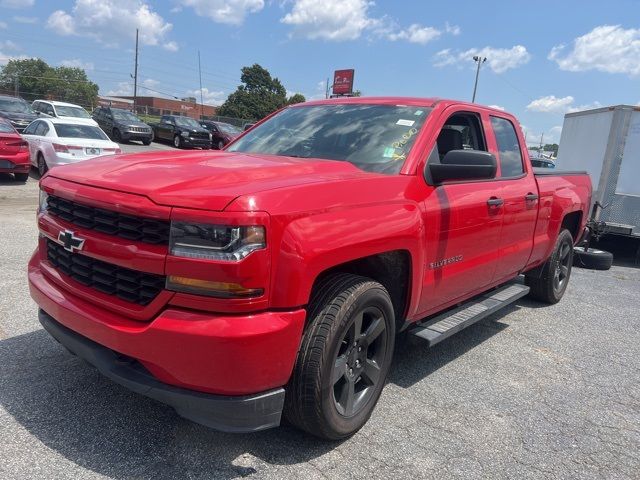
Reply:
x=462, y=222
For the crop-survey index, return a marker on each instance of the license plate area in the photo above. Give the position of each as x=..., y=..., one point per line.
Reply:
x=92, y=151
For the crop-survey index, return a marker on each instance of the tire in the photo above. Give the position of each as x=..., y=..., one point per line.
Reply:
x=21, y=177
x=593, y=258
x=177, y=141
x=117, y=136
x=220, y=145
x=344, y=357
x=42, y=165
x=550, y=285
x=146, y=142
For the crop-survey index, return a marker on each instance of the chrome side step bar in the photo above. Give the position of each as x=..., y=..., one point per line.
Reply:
x=446, y=324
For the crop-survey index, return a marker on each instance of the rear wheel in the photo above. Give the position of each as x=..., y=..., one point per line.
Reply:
x=344, y=357
x=21, y=177
x=42, y=165
x=550, y=285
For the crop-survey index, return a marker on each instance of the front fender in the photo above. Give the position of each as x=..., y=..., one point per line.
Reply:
x=312, y=244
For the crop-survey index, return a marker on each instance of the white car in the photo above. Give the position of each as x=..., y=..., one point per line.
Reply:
x=59, y=141
x=53, y=109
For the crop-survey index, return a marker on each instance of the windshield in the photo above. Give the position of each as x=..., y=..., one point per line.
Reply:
x=66, y=111
x=187, y=122
x=375, y=138
x=15, y=105
x=65, y=130
x=228, y=128
x=124, y=115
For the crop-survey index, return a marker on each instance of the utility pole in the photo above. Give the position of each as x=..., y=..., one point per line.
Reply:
x=135, y=77
x=479, y=60
x=200, y=74
x=326, y=89
x=15, y=85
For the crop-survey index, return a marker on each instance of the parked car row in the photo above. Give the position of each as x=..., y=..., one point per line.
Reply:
x=56, y=133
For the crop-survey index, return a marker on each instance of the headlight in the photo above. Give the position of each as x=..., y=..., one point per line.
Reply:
x=184, y=134
x=215, y=242
x=42, y=202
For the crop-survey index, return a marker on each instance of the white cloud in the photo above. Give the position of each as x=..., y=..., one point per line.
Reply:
x=126, y=88
x=17, y=3
x=607, y=48
x=232, y=12
x=5, y=57
x=586, y=106
x=498, y=59
x=330, y=19
x=554, y=134
x=8, y=45
x=452, y=29
x=3, y=25
x=111, y=21
x=27, y=20
x=416, y=34
x=209, y=97
x=497, y=107
x=77, y=63
x=171, y=46
x=551, y=104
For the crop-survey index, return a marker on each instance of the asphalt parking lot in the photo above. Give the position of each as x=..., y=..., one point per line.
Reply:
x=531, y=392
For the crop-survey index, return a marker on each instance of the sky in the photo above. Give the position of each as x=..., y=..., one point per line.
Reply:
x=544, y=59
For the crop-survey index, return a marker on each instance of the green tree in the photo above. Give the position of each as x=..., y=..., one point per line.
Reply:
x=296, y=98
x=260, y=95
x=36, y=80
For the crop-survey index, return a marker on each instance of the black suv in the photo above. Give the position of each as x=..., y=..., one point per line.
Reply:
x=122, y=125
x=17, y=111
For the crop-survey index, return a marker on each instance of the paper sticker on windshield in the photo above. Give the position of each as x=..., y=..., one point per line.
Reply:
x=418, y=112
x=405, y=123
x=388, y=152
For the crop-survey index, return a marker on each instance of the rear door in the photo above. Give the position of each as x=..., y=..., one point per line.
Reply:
x=462, y=222
x=519, y=191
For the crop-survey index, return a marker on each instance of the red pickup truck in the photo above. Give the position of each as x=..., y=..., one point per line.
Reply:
x=272, y=277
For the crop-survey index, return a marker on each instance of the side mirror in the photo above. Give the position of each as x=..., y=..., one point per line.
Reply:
x=464, y=165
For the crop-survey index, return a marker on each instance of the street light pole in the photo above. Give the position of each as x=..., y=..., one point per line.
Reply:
x=479, y=60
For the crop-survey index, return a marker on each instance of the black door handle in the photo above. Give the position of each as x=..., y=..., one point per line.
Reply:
x=495, y=202
x=531, y=197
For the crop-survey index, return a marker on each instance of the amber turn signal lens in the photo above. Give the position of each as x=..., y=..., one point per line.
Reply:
x=210, y=288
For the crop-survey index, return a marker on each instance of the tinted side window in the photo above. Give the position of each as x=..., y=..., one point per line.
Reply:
x=508, y=147
x=42, y=129
x=461, y=131
x=31, y=128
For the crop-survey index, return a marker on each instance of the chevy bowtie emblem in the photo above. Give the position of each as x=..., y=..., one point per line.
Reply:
x=69, y=241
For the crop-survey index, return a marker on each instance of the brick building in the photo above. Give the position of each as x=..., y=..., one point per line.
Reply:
x=166, y=106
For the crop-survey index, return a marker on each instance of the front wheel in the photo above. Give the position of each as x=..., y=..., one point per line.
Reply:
x=117, y=136
x=177, y=141
x=344, y=358
x=549, y=286
x=21, y=177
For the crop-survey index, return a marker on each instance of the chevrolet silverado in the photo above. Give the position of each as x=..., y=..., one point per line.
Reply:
x=272, y=278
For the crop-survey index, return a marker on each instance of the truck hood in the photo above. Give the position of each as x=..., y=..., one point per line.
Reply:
x=203, y=180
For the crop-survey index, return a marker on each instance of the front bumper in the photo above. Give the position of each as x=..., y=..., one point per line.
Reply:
x=233, y=356
x=196, y=142
x=127, y=136
x=247, y=413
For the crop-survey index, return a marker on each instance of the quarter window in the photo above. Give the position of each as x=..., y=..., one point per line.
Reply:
x=31, y=128
x=508, y=147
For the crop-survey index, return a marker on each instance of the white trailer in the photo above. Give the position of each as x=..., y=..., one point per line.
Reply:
x=606, y=143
